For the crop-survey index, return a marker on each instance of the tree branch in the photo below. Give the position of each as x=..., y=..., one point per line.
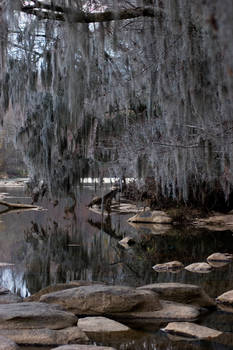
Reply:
x=48, y=11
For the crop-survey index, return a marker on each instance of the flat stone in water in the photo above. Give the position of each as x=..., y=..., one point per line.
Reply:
x=191, y=330
x=169, y=266
x=200, y=267
x=221, y=257
x=100, y=325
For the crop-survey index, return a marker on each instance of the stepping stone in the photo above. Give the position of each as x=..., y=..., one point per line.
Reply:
x=200, y=267
x=172, y=266
x=191, y=330
x=220, y=257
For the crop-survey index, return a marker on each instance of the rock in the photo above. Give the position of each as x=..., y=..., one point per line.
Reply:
x=83, y=347
x=127, y=242
x=180, y=292
x=191, y=330
x=45, y=336
x=173, y=266
x=220, y=257
x=155, y=216
x=34, y=315
x=218, y=264
x=7, y=344
x=217, y=222
x=225, y=301
x=200, y=267
x=101, y=325
x=170, y=311
x=101, y=299
x=57, y=287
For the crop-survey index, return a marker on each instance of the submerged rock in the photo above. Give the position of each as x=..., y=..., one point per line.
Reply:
x=180, y=292
x=172, y=266
x=101, y=299
x=35, y=315
x=220, y=257
x=191, y=330
x=45, y=336
x=155, y=216
x=200, y=267
x=7, y=344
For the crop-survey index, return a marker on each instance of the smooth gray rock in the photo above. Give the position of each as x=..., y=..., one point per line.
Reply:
x=45, y=336
x=220, y=257
x=225, y=301
x=180, y=292
x=100, y=325
x=35, y=315
x=100, y=299
x=7, y=344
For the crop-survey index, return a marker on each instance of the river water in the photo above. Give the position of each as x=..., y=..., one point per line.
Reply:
x=61, y=243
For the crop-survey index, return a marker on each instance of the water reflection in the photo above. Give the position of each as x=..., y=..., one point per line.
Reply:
x=67, y=242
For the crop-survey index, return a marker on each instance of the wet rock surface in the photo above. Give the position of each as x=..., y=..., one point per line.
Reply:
x=34, y=315
x=191, y=330
x=101, y=325
x=101, y=299
x=180, y=292
x=225, y=301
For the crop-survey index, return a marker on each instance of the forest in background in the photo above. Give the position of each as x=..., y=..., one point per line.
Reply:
x=135, y=89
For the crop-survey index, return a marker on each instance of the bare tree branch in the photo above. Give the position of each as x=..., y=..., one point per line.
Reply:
x=48, y=11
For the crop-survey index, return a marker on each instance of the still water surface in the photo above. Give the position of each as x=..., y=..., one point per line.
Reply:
x=66, y=242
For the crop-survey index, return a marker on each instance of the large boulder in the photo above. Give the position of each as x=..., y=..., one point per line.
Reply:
x=56, y=288
x=180, y=292
x=35, y=315
x=101, y=299
x=153, y=217
x=200, y=267
x=172, y=266
x=170, y=311
x=191, y=330
x=45, y=336
x=83, y=347
x=7, y=344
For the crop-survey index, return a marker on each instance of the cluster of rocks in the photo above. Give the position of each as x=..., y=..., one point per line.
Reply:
x=215, y=260
x=81, y=313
